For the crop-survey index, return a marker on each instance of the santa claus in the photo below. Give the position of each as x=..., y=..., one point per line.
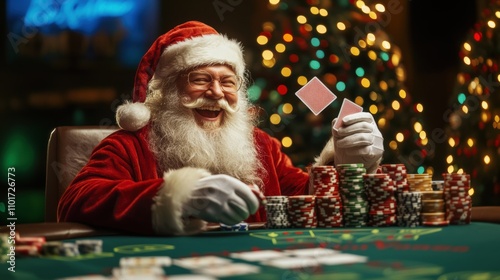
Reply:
x=189, y=147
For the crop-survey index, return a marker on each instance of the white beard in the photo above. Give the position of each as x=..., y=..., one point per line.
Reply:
x=178, y=141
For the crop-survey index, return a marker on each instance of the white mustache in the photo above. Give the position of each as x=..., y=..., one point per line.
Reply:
x=203, y=102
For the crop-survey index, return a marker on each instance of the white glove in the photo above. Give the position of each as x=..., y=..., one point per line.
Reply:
x=358, y=140
x=221, y=199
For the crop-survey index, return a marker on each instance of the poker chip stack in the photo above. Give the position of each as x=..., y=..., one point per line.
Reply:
x=433, y=208
x=380, y=192
x=324, y=180
x=409, y=208
x=458, y=203
x=397, y=172
x=325, y=185
x=277, y=212
x=353, y=194
x=329, y=211
x=419, y=182
x=301, y=211
x=437, y=185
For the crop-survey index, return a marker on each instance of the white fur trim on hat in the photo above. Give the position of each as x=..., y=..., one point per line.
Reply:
x=167, y=216
x=201, y=50
x=132, y=116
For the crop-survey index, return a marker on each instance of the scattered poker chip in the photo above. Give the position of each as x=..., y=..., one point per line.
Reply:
x=236, y=227
x=28, y=250
x=69, y=250
x=52, y=248
x=89, y=246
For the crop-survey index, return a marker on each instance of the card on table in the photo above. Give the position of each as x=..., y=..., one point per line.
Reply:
x=336, y=259
x=315, y=95
x=348, y=108
x=202, y=261
x=231, y=269
x=190, y=277
x=253, y=256
x=311, y=252
x=145, y=261
x=292, y=262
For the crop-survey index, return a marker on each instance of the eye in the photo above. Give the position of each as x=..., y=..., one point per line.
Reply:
x=199, y=78
x=229, y=81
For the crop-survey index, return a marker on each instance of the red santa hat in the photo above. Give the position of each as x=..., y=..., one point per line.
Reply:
x=184, y=47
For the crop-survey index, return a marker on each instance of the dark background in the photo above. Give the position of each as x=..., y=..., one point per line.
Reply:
x=35, y=96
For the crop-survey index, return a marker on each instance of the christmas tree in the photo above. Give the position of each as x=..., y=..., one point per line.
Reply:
x=344, y=45
x=474, y=115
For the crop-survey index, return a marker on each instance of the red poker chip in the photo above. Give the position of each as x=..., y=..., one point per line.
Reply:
x=31, y=240
x=28, y=250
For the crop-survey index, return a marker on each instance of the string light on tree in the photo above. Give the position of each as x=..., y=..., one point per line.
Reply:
x=342, y=44
x=473, y=124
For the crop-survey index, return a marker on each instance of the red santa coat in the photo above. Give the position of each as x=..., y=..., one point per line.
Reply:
x=120, y=186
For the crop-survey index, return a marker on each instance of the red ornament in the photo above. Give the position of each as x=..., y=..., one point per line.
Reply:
x=424, y=153
x=267, y=34
x=282, y=89
x=478, y=36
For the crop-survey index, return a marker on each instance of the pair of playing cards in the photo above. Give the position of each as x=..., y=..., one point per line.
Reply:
x=316, y=96
x=299, y=258
x=216, y=266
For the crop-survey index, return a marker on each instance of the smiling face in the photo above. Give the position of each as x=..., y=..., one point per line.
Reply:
x=211, y=92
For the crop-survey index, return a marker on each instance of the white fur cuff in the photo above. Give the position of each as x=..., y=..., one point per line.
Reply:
x=326, y=156
x=173, y=194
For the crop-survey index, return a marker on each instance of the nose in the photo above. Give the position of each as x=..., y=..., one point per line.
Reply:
x=214, y=90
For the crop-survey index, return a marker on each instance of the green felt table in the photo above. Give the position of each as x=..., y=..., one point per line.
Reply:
x=451, y=252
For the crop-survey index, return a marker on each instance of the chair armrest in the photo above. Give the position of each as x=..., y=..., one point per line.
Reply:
x=489, y=214
x=57, y=231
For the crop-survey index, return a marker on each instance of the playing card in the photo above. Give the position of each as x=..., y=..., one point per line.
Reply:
x=202, y=261
x=315, y=95
x=145, y=261
x=311, y=252
x=119, y=272
x=292, y=262
x=86, y=277
x=253, y=256
x=336, y=259
x=189, y=277
x=231, y=269
x=348, y=107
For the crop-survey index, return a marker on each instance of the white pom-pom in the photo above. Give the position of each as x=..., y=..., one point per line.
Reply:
x=132, y=116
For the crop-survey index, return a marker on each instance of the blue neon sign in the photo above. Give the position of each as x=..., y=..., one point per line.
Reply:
x=81, y=15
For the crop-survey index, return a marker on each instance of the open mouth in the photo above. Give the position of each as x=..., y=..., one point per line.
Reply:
x=209, y=112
